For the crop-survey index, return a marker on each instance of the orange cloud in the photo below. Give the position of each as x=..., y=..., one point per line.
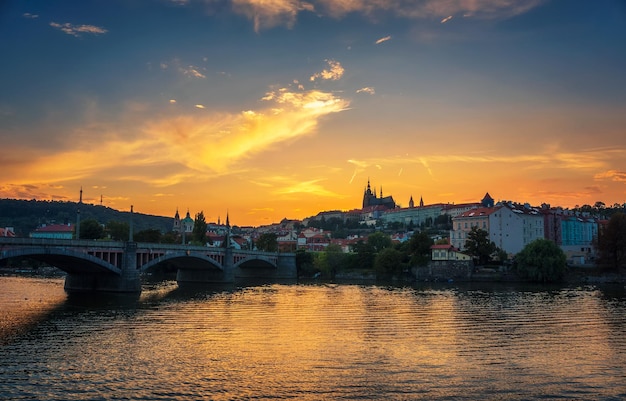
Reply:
x=270, y=13
x=612, y=175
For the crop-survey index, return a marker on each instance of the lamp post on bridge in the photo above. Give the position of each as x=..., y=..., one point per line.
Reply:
x=130, y=225
x=80, y=201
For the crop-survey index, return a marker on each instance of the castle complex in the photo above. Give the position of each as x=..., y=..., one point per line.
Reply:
x=370, y=198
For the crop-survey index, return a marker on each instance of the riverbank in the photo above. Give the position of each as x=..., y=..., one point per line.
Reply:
x=574, y=275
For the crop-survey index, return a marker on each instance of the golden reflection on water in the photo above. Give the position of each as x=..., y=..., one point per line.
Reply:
x=25, y=301
x=333, y=341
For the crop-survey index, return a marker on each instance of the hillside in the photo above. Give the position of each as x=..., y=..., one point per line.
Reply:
x=26, y=215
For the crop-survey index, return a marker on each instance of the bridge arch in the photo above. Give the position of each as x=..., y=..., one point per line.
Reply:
x=186, y=260
x=258, y=261
x=64, y=259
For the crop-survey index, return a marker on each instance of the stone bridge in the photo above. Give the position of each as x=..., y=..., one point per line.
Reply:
x=117, y=266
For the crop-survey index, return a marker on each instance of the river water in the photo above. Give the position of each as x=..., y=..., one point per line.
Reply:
x=312, y=342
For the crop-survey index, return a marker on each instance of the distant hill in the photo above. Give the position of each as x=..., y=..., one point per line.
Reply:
x=26, y=215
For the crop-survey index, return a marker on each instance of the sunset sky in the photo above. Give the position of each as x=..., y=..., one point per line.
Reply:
x=284, y=108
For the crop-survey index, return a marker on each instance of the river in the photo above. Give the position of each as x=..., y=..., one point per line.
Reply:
x=312, y=342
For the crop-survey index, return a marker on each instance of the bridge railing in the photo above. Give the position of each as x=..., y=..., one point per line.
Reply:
x=60, y=242
x=117, y=244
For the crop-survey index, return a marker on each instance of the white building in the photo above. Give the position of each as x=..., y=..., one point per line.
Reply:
x=513, y=226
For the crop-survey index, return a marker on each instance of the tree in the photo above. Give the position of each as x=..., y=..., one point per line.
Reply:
x=335, y=258
x=541, y=260
x=198, y=234
x=151, y=235
x=612, y=241
x=170, y=238
x=118, y=231
x=364, y=259
x=91, y=229
x=330, y=261
x=388, y=263
x=267, y=242
x=479, y=246
x=379, y=241
x=419, y=248
x=443, y=221
x=304, y=263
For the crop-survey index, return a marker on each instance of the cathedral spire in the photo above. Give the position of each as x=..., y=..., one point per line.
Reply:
x=421, y=202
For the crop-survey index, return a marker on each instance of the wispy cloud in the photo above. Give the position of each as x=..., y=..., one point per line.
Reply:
x=270, y=13
x=191, y=71
x=77, y=30
x=381, y=40
x=612, y=175
x=30, y=16
x=334, y=71
x=586, y=160
x=289, y=185
x=367, y=89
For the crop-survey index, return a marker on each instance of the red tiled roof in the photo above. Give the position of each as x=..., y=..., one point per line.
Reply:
x=56, y=228
x=479, y=212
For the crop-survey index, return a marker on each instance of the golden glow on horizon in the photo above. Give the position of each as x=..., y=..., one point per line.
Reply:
x=306, y=136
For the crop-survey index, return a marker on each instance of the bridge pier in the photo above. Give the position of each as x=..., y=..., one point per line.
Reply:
x=128, y=281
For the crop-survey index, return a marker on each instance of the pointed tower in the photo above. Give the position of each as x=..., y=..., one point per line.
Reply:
x=487, y=201
x=368, y=195
x=176, y=227
x=421, y=202
x=411, y=203
x=227, y=239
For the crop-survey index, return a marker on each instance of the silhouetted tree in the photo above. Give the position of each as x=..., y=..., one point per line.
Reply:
x=419, y=248
x=388, y=263
x=379, y=241
x=198, y=234
x=118, y=231
x=479, y=246
x=151, y=235
x=612, y=241
x=91, y=229
x=541, y=260
x=267, y=242
x=364, y=259
x=304, y=263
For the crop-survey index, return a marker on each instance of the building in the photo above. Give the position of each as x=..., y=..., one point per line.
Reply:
x=512, y=226
x=370, y=198
x=573, y=232
x=54, y=231
x=446, y=252
x=7, y=232
x=463, y=224
x=183, y=226
x=417, y=216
